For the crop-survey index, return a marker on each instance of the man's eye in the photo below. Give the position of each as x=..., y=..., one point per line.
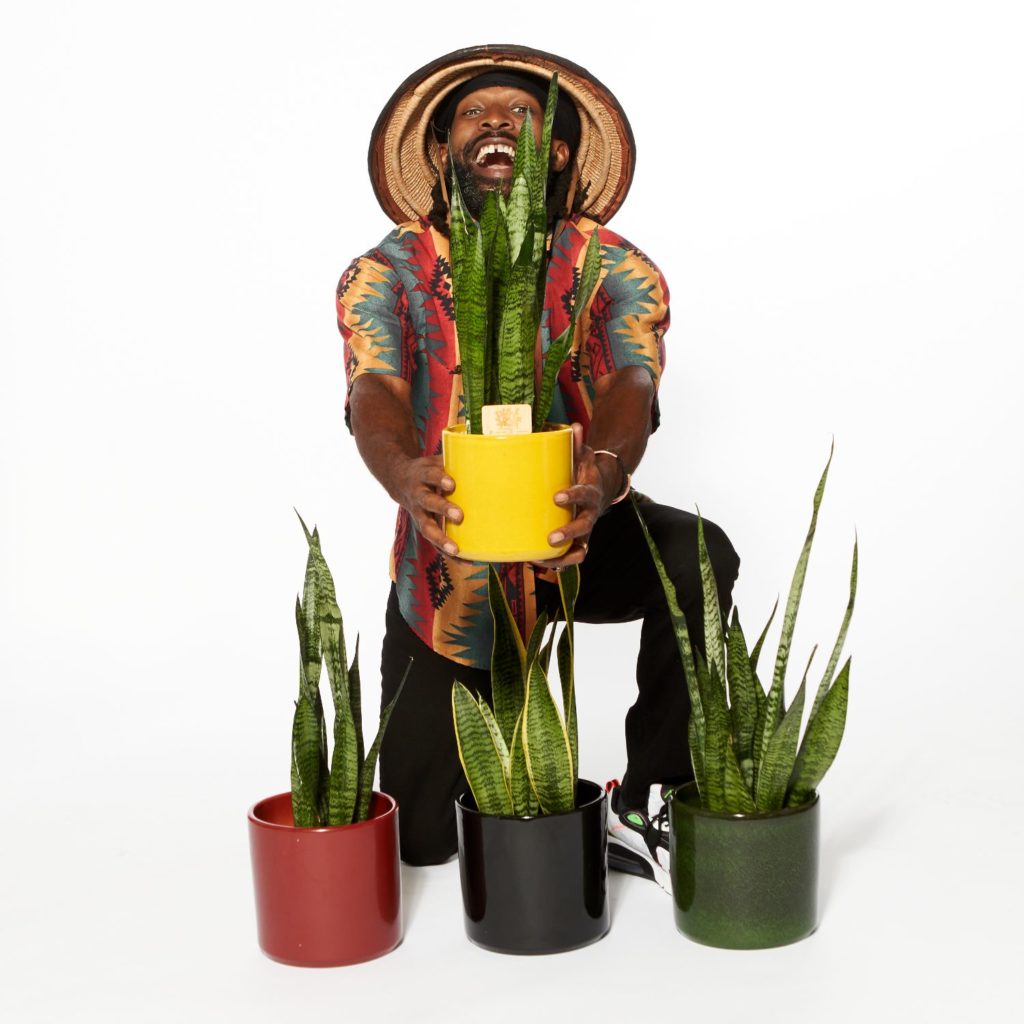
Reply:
x=520, y=108
x=472, y=112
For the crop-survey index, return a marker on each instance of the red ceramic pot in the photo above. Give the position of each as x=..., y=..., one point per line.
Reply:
x=326, y=897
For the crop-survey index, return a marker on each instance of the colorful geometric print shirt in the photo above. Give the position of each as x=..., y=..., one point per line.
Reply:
x=396, y=316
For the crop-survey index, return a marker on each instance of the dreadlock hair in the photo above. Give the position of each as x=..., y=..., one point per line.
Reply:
x=559, y=184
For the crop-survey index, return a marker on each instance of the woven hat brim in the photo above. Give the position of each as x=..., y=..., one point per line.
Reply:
x=403, y=154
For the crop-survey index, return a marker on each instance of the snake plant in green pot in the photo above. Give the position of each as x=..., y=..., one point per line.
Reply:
x=325, y=856
x=532, y=835
x=744, y=834
x=505, y=477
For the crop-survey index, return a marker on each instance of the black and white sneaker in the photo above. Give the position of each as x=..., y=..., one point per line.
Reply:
x=638, y=837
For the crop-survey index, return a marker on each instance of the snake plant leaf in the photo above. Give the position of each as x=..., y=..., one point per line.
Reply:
x=558, y=350
x=368, y=769
x=524, y=799
x=343, y=786
x=716, y=741
x=776, y=696
x=750, y=769
x=821, y=741
x=472, y=326
x=780, y=756
x=682, y=634
x=305, y=764
x=536, y=638
x=517, y=216
x=714, y=644
x=355, y=701
x=508, y=659
x=515, y=360
x=306, y=663
x=696, y=755
x=545, y=134
x=737, y=797
x=755, y=654
x=742, y=698
x=833, y=661
x=569, y=590
x=546, y=746
x=482, y=761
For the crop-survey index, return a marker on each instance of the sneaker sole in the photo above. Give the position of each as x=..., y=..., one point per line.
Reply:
x=625, y=859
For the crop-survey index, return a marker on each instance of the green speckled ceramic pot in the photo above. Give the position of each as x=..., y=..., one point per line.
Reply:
x=743, y=881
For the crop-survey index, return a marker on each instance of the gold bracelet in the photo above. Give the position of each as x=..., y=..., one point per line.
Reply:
x=622, y=466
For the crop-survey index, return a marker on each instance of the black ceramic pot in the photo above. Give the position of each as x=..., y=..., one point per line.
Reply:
x=535, y=885
x=743, y=881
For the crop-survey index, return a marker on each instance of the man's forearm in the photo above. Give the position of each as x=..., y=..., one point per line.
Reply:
x=621, y=423
x=382, y=424
x=387, y=439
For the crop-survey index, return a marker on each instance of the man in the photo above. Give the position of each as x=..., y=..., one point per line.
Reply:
x=395, y=312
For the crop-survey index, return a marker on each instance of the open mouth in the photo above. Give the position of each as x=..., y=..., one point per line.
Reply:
x=496, y=155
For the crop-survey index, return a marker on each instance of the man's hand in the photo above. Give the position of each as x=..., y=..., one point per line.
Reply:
x=598, y=484
x=420, y=487
x=621, y=422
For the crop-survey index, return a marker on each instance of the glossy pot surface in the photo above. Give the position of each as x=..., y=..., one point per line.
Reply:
x=744, y=881
x=535, y=885
x=505, y=485
x=326, y=897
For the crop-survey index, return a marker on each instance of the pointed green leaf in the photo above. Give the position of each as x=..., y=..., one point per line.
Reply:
x=508, y=659
x=714, y=644
x=776, y=696
x=716, y=740
x=569, y=589
x=742, y=699
x=524, y=799
x=833, y=661
x=369, y=767
x=756, y=652
x=737, y=797
x=780, y=756
x=305, y=764
x=545, y=135
x=682, y=634
x=821, y=741
x=546, y=745
x=482, y=760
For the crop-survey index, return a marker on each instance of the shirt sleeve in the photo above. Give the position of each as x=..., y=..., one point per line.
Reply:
x=629, y=316
x=373, y=317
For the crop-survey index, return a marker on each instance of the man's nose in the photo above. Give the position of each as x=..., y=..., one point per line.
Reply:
x=495, y=120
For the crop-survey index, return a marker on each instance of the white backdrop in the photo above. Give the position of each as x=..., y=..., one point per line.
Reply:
x=834, y=193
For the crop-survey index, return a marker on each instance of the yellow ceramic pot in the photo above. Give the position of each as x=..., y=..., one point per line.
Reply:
x=505, y=485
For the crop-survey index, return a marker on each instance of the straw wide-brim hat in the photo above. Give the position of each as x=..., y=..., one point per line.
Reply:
x=403, y=154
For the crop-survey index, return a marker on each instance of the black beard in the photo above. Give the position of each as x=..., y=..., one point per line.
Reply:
x=474, y=189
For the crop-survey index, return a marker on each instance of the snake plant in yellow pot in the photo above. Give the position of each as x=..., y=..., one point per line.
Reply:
x=744, y=834
x=505, y=478
x=532, y=835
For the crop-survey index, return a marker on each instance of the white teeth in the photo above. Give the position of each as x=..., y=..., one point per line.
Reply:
x=487, y=150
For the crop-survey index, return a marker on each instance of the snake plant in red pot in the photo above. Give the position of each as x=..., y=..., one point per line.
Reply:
x=744, y=835
x=532, y=834
x=325, y=856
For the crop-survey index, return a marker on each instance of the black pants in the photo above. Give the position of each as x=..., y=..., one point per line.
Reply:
x=419, y=763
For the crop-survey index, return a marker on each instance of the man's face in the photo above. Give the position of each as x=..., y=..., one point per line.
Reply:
x=484, y=133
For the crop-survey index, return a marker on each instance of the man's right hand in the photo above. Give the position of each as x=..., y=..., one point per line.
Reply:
x=421, y=485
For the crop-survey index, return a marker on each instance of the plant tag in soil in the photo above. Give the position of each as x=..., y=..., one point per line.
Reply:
x=507, y=419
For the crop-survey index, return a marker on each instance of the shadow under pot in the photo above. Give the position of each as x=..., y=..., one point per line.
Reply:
x=535, y=885
x=743, y=881
x=505, y=485
x=326, y=897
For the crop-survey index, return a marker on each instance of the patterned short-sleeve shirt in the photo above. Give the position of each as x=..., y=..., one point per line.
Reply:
x=396, y=315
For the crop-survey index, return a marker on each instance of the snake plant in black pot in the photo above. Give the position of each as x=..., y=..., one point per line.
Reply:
x=744, y=834
x=532, y=841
